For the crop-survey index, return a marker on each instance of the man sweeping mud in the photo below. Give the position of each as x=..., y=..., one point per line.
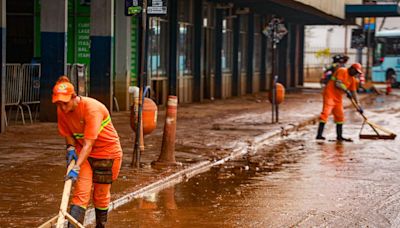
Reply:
x=93, y=143
x=343, y=81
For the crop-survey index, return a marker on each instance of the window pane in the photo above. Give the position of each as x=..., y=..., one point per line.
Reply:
x=243, y=44
x=227, y=46
x=157, y=53
x=257, y=52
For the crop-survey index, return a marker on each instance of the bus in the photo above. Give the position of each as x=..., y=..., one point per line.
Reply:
x=387, y=57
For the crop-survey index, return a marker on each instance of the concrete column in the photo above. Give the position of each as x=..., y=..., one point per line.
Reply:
x=122, y=56
x=291, y=55
x=236, y=82
x=282, y=60
x=101, y=51
x=218, y=53
x=301, y=55
x=250, y=51
x=198, y=38
x=296, y=55
x=173, y=32
x=263, y=67
x=2, y=65
x=53, y=23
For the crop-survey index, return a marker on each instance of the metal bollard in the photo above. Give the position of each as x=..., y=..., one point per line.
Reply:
x=167, y=155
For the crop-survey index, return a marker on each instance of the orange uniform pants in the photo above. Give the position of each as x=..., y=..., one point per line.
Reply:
x=336, y=108
x=101, y=192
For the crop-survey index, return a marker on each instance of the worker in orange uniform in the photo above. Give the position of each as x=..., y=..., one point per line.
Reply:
x=93, y=143
x=343, y=81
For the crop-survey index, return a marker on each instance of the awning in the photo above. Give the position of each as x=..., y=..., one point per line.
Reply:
x=383, y=10
x=292, y=11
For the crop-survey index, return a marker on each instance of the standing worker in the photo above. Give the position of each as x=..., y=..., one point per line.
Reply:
x=93, y=143
x=343, y=81
x=338, y=61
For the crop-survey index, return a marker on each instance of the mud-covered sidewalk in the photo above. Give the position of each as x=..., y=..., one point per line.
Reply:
x=32, y=158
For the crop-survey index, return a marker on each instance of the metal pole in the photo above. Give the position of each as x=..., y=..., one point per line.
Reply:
x=139, y=146
x=274, y=61
x=345, y=39
x=273, y=81
x=368, y=76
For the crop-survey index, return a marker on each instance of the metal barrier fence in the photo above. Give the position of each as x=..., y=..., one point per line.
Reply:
x=23, y=87
x=30, y=77
x=13, y=90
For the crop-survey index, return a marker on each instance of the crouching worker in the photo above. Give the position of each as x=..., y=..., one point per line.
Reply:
x=342, y=82
x=93, y=142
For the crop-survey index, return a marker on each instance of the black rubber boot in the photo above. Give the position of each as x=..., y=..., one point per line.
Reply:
x=77, y=213
x=320, y=131
x=339, y=133
x=101, y=218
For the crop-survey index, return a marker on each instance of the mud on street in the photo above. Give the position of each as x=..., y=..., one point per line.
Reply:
x=293, y=181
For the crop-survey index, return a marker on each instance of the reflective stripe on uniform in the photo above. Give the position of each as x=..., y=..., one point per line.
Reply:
x=342, y=85
x=78, y=135
x=103, y=124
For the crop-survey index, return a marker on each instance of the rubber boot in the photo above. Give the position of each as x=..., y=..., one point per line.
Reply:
x=77, y=213
x=320, y=131
x=339, y=133
x=101, y=218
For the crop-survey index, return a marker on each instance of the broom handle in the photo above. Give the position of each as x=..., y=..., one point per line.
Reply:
x=65, y=198
x=362, y=114
x=373, y=126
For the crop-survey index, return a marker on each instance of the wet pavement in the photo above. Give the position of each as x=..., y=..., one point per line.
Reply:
x=32, y=158
x=292, y=182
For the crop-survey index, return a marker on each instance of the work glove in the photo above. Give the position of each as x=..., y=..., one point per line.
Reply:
x=348, y=94
x=73, y=173
x=71, y=155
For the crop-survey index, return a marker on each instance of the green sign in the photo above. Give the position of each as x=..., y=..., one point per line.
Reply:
x=134, y=49
x=83, y=40
x=78, y=44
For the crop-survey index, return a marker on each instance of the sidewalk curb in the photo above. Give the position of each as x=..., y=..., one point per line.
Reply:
x=249, y=147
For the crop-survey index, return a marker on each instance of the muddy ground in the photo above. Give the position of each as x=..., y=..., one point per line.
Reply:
x=32, y=159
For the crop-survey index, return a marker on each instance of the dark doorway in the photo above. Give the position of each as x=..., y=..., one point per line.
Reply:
x=20, y=31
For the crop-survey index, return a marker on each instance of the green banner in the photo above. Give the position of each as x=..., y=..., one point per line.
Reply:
x=83, y=40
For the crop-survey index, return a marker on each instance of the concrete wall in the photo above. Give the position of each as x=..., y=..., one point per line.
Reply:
x=334, y=8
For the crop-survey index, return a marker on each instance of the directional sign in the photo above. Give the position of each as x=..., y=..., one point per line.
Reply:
x=157, y=7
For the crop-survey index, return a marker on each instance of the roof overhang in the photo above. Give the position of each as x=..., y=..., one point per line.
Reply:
x=381, y=10
x=292, y=11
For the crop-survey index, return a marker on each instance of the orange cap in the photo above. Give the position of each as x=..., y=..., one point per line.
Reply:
x=63, y=91
x=357, y=67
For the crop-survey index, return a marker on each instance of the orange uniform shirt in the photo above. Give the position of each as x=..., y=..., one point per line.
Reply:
x=332, y=93
x=91, y=120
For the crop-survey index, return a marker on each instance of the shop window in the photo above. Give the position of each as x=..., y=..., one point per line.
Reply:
x=257, y=44
x=185, y=37
x=157, y=53
x=243, y=44
x=227, y=45
x=209, y=34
